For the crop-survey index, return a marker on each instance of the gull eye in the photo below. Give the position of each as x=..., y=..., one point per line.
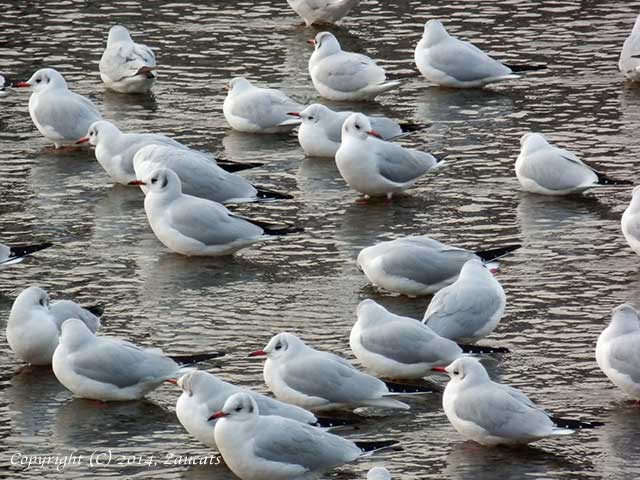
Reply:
x=310, y=118
x=38, y=80
x=456, y=372
x=357, y=126
x=154, y=180
x=278, y=346
x=238, y=409
x=43, y=302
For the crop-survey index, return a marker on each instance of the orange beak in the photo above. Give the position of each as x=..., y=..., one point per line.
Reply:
x=258, y=353
x=373, y=133
x=82, y=140
x=217, y=415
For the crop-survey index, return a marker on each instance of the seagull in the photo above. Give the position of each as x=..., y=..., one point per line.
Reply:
x=378, y=473
x=375, y=167
x=126, y=66
x=195, y=226
x=618, y=350
x=109, y=369
x=257, y=447
x=548, y=170
x=339, y=75
x=419, y=265
x=11, y=255
x=322, y=11
x=252, y=109
x=493, y=414
x=34, y=324
x=298, y=374
x=115, y=150
x=629, y=63
x=60, y=115
x=631, y=221
x=392, y=346
x=321, y=130
x=203, y=393
x=4, y=84
x=449, y=62
x=470, y=308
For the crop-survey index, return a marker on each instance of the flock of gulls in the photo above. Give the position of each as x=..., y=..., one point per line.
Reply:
x=185, y=195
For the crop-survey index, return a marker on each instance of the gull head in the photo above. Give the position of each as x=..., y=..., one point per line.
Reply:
x=75, y=334
x=238, y=407
x=624, y=319
x=371, y=313
x=161, y=181
x=194, y=382
x=239, y=85
x=378, y=473
x=473, y=268
x=118, y=33
x=314, y=113
x=100, y=131
x=325, y=43
x=32, y=298
x=43, y=79
x=358, y=126
x=466, y=369
x=434, y=32
x=280, y=346
x=531, y=141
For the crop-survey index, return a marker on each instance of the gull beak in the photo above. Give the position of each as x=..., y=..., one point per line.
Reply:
x=172, y=380
x=217, y=415
x=21, y=84
x=311, y=41
x=227, y=88
x=294, y=114
x=373, y=133
x=137, y=182
x=258, y=353
x=82, y=140
x=439, y=369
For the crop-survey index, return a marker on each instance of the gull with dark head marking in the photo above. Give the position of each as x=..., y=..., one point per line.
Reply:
x=339, y=75
x=315, y=12
x=629, y=63
x=257, y=447
x=548, y=170
x=34, y=325
x=252, y=109
x=375, y=167
x=60, y=115
x=10, y=255
x=126, y=66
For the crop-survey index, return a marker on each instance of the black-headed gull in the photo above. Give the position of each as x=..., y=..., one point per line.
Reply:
x=195, y=226
x=630, y=221
x=320, y=133
x=252, y=109
x=493, y=414
x=126, y=66
x=339, y=75
x=447, y=61
x=5, y=83
x=34, y=324
x=115, y=150
x=419, y=265
x=629, y=63
x=200, y=176
x=322, y=11
x=378, y=473
x=257, y=447
x=618, y=350
x=10, y=255
x=548, y=170
x=203, y=393
x=309, y=378
x=60, y=115
x=375, y=167
x=109, y=369
x=470, y=308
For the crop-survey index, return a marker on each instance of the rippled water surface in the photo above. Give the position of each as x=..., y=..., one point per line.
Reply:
x=574, y=266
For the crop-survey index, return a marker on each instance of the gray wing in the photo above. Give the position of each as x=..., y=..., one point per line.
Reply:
x=120, y=363
x=271, y=406
x=334, y=128
x=336, y=381
x=64, y=309
x=69, y=115
x=287, y=441
x=408, y=343
x=624, y=356
x=385, y=127
x=557, y=169
x=265, y=107
x=347, y=72
x=125, y=59
x=401, y=165
x=518, y=395
x=209, y=222
x=464, y=61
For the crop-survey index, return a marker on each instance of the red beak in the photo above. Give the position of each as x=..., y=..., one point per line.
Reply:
x=439, y=369
x=373, y=133
x=82, y=140
x=137, y=182
x=22, y=84
x=257, y=353
x=311, y=41
x=217, y=415
x=172, y=380
x=294, y=114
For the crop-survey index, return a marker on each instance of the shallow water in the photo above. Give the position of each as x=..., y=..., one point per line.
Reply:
x=574, y=266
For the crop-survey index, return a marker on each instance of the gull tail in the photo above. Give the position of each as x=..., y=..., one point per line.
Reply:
x=387, y=403
x=604, y=180
x=375, y=90
x=97, y=310
x=481, y=349
x=330, y=422
x=186, y=360
x=233, y=167
x=276, y=230
x=566, y=423
x=25, y=250
x=496, y=253
x=525, y=67
x=409, y=128
x=409, y=389
x=267, y=194
x=371, y=447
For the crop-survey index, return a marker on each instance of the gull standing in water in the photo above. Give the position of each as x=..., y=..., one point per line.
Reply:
x=629, y=63
x=316, y=12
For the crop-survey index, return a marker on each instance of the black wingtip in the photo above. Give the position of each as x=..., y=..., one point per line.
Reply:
x=440, y=157
x=409, y=127
x=604, y=180
x=21, y=251
x=374, y=446
x=330, y=422
x=482, y=349
x=525, y=68
x=496, y=253
x=409, y=388
x=185, y=360
x=233, y=167
x=575, y=424
x=97, y=310
x=266, y=194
